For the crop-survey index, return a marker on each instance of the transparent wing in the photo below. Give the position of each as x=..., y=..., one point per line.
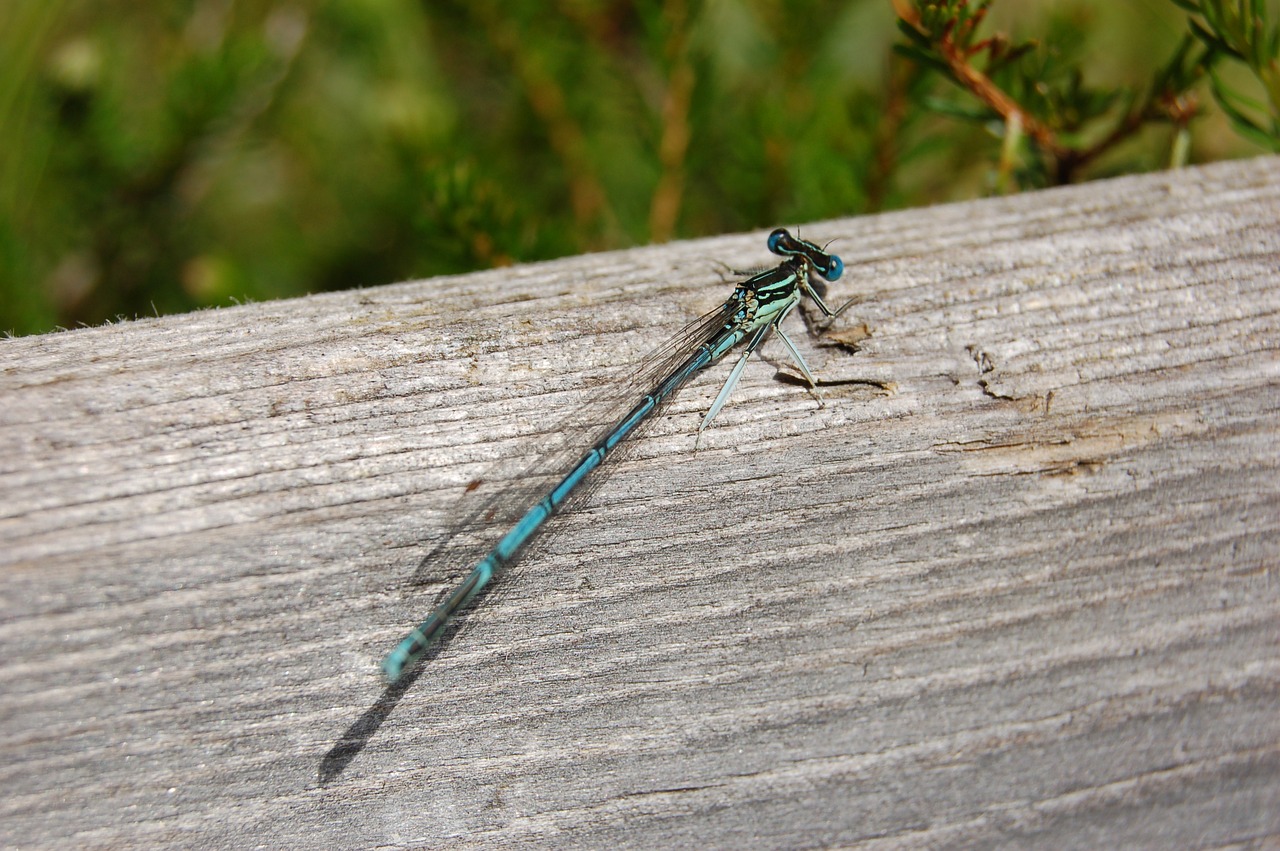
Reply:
x=670, y=352
x=487, y=509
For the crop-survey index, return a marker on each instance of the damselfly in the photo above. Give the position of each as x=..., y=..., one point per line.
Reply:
x=754, y=311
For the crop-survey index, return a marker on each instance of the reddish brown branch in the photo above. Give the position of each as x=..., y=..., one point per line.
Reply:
x=983, y=87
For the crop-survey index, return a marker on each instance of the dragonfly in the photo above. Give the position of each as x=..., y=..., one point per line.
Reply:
x=754, y=312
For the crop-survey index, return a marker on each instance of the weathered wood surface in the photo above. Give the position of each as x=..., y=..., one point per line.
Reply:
x=1013, y=584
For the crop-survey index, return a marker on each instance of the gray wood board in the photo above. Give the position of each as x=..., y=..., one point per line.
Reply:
x=1012, y=583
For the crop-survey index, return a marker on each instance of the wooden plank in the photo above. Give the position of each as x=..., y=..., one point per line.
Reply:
x=1013, y=583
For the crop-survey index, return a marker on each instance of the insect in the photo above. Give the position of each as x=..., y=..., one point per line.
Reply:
x=755, y=310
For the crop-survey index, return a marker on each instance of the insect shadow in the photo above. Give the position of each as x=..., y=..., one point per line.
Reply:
x=450, y=558
x=357, y=736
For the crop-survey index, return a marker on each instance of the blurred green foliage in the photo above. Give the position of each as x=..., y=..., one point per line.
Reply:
x=1055, y=123
x=163, y=156
x=1247, y=32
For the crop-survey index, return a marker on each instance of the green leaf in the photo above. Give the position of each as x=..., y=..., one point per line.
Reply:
x=957, y=110
x=1243, y=124
x=928, y=59
x=909, y=30
x=1212, y=40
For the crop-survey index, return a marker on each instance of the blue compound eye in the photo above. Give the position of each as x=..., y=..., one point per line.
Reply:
x=835, y=269
x=777, y=238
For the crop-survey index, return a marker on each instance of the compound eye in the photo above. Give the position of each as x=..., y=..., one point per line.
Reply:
x=777, y=239
x=835, y=269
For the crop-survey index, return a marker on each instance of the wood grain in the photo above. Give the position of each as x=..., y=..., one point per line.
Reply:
x=1013, y=583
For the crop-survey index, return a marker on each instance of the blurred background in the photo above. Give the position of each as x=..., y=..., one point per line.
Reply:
x=157, y=157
